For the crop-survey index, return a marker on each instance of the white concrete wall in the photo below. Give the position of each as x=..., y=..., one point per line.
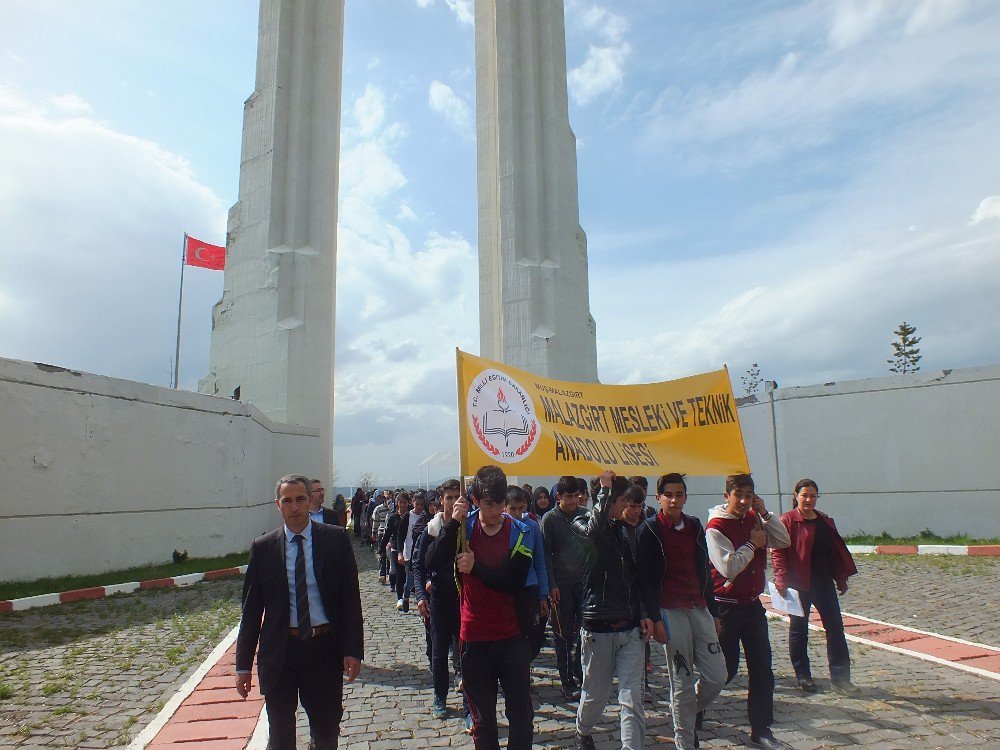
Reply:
x=99, y=474
x=896, y=454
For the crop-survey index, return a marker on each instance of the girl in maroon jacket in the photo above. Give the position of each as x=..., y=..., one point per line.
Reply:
x=815, y=561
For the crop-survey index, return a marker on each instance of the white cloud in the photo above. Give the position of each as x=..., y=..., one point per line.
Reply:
x=796, y=92
x=443, y=100
x=402, y=306
x=813, y=316
x=369, y=110
x=602, y=72
x=464, y=10
x=424, y=3
x=988, y=208
x=69, y=104
x=603, y=69
x=93, y=220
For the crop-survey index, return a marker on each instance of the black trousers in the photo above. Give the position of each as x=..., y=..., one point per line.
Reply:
x=444, y=638
x=823, y=596
x=486, y=664
x=746, y=625
x=567, y=619
x=313, y=676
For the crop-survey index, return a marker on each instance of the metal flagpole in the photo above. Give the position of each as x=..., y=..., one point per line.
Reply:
x=180, y=304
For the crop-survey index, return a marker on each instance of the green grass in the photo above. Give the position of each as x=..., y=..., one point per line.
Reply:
x=18, y=589
x=923, y=537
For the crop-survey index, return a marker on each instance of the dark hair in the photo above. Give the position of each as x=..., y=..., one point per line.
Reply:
x=738, y=480
x=517, y=494
x=634, y=495
x=802, y=483
x=671, y=478
x=639, y=481
x=291, y=479
x=581, y=485
x=566, y=484
x=539, y=491
x=619, y=486
x=489, y=481
x=450, y=485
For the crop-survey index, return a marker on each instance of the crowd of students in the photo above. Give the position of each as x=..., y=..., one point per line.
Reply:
x=491, y=570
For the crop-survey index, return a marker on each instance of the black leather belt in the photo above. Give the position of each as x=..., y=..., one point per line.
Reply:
x=313, y=632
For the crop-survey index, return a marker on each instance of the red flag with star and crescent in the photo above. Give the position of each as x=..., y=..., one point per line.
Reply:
x=203, y=255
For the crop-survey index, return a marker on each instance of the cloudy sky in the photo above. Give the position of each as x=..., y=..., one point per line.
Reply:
x=771, y=182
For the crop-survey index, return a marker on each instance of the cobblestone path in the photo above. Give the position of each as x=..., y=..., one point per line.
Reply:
x=92, y=674
x=947, y=594
x=906, y=703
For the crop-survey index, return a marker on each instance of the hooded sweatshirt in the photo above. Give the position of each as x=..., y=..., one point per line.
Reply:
x=737, y=565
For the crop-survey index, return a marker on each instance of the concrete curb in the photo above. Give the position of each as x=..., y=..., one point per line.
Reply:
x=980, y=550
x=100, y=592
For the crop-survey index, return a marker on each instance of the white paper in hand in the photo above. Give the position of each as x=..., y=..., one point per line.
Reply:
x=790, y=603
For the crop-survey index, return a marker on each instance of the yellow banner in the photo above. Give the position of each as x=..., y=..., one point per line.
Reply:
x=533, y=426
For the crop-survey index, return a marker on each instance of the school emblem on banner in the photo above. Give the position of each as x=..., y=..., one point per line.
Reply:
x=502, y=416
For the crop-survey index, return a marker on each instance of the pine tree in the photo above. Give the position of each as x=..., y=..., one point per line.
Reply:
x=905, y=355
x=751, y=381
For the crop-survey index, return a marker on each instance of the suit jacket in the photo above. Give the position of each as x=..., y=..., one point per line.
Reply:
x=265, y=595
x=331, y=516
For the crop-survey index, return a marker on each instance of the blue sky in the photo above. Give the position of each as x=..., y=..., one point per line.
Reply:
x=779, y=182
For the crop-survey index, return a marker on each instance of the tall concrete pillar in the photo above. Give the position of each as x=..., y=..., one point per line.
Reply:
x=273, y=329
x=534, y=306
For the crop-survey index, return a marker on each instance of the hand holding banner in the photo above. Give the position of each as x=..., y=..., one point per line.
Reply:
x=542, y=427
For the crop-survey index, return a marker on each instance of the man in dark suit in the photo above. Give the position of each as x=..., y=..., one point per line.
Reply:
x=302, y=580
x=317, y=496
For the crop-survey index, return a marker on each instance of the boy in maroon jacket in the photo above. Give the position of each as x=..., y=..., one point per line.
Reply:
x=738, y=534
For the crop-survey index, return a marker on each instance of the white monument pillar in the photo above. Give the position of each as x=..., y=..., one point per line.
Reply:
x=273, y=329
x=534, y=306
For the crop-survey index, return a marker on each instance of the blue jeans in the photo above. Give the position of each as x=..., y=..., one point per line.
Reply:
x=823, y=596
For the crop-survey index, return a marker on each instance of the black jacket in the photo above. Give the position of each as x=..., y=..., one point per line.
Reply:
x=618, y=585
x=265, y=595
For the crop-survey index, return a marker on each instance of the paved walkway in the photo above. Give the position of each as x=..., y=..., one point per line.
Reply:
x=92, y=674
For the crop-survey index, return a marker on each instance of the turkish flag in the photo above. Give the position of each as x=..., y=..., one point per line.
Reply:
x=203, y=255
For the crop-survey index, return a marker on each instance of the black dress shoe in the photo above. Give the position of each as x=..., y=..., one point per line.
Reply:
x=572, y=693
x=846, y=687
x=765, y=740
x=807, y=685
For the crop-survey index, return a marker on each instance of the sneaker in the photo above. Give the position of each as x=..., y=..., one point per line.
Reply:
x=571, y=693
x=766, y=740
x=399, y=604
x=807, y=685
x=440, y=710
x=585, y=742
x=846, y=687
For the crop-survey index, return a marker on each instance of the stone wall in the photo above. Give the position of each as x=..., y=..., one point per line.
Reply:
x=99, y=474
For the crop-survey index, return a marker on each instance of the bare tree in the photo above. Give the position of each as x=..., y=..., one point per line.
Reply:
x=751, y=381
x=367, y=481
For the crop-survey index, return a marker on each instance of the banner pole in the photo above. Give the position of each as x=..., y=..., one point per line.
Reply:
x=180, y=304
